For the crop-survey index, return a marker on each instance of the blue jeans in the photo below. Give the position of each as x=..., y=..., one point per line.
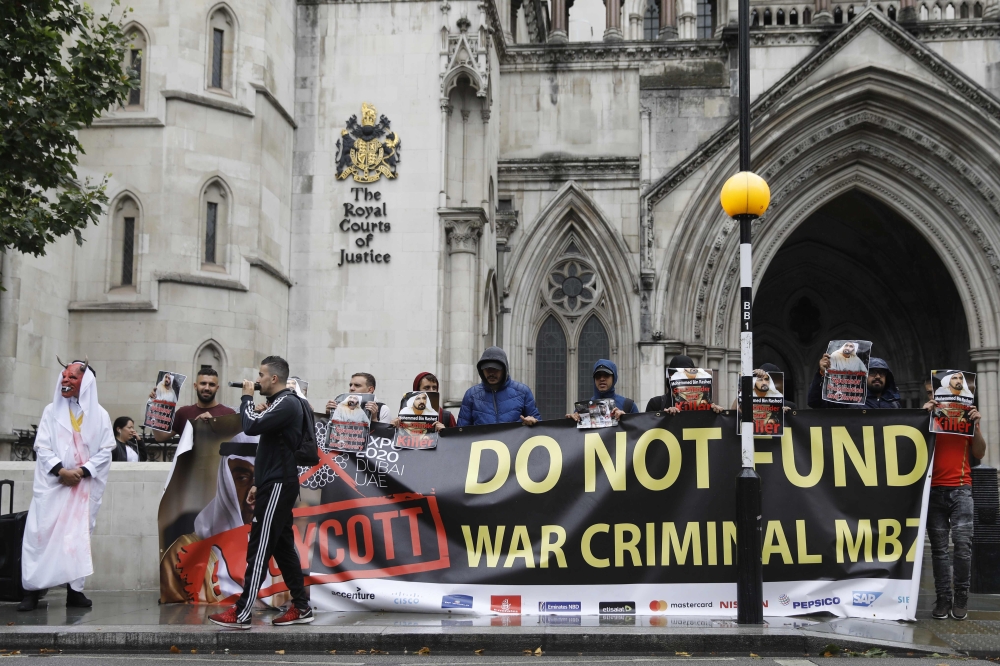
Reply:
x=950, y=510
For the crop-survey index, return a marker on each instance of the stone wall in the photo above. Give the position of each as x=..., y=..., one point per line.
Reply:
x=125, y=545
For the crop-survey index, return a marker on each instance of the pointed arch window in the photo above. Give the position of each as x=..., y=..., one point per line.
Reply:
x=124, y=243
x=221, y=50
x=793, y=16
x=806, y=16
x=892, y=12
x=754, y=18
x=594, y=344
x=977, y=10
x=134, y=62
x=215, y=214
x=780, y=17
x=767, y=16
x=651, y=20
x=838, y=15
x=550, y=369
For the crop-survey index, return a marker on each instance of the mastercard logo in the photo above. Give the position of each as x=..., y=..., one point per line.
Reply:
x=657, y=606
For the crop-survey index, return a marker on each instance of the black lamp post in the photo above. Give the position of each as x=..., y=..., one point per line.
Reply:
x=745, y=197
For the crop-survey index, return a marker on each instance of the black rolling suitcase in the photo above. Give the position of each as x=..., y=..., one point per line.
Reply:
x=11, y=535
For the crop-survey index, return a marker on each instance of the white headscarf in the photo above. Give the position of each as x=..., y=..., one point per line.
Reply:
x=945, y=388
x=92, y=429
x=223, y=512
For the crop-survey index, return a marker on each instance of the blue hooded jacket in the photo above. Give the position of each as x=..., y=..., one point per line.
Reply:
x=889, y=399
x=483, y=405
x=604, y=395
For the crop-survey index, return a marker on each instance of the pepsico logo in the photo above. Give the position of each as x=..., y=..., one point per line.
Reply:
x=784, y=600
x=657, y=605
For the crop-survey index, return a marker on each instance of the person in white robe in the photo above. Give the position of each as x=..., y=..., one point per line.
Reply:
x=73, y=449
x=846, y=359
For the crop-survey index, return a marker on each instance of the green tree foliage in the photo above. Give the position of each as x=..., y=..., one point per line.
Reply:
x=62, y=66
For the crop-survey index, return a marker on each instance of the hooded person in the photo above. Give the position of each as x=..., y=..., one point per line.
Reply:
x=881, y=394
x=498, y=398
x=73, y=448
x=605, y=376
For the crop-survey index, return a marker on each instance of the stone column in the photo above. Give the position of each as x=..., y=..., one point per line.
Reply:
x=987, y=361
x=559, y=33
x=668, y=19
x=907, y=10
x=484, y=113
x=465, y=161
x=445, y=114
x=462, y=232
x=644, y=115
x=613, y=31
x=822, y=15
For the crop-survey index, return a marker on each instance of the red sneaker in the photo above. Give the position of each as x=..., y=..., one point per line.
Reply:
x=294, y=616
x=229, y=619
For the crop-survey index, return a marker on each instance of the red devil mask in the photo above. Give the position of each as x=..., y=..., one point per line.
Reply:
x=72, y=379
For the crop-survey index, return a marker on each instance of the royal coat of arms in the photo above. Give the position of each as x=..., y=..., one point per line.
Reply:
x=367, y=151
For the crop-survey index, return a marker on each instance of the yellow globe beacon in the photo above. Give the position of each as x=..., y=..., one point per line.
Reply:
x=746, y=193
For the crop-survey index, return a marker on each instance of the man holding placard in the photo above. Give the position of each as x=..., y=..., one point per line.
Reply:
x=954, y=421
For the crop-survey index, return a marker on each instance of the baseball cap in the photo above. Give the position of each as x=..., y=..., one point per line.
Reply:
x=603, y=368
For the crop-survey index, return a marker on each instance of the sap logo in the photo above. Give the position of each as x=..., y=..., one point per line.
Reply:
x=902, y=600
x=816, y=603
x=456, y=601
x=864, y=598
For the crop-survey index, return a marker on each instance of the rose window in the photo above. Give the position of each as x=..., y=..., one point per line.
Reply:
x=572, y=285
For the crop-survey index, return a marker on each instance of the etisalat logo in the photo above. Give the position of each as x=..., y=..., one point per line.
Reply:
x=616, y=608
x=357, y=594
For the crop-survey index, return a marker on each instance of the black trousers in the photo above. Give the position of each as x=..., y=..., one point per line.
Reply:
x=271, y=535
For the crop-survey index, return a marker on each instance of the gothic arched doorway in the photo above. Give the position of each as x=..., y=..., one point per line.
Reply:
x=856, y=269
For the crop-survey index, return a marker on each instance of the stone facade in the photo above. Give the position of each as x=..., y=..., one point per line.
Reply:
x=558, y=197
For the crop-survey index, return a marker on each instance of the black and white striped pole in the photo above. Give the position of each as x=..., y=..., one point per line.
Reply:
x=745, y=197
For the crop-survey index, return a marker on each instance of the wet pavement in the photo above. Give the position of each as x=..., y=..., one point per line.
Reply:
x=135, y=621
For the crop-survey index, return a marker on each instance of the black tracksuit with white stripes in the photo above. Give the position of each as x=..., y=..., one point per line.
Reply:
x=276, y=479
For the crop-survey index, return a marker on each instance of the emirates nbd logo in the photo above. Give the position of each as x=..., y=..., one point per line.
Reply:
x=616, y=608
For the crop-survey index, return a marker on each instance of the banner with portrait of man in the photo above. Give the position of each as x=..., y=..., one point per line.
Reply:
x=955, y=395
x=691, y=388
x=418, y=416
x=768, y=404
x=846, y=380
x=162, y=404
x=349, y=422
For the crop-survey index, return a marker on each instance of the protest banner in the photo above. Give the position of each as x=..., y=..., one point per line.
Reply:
x=595, y=413
x=162, y=404
x=691, y=388
x=846, y=380
x=349, y=422
x=955, y=395
x=636, y=519
x=768, y=404
x=418, y=414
